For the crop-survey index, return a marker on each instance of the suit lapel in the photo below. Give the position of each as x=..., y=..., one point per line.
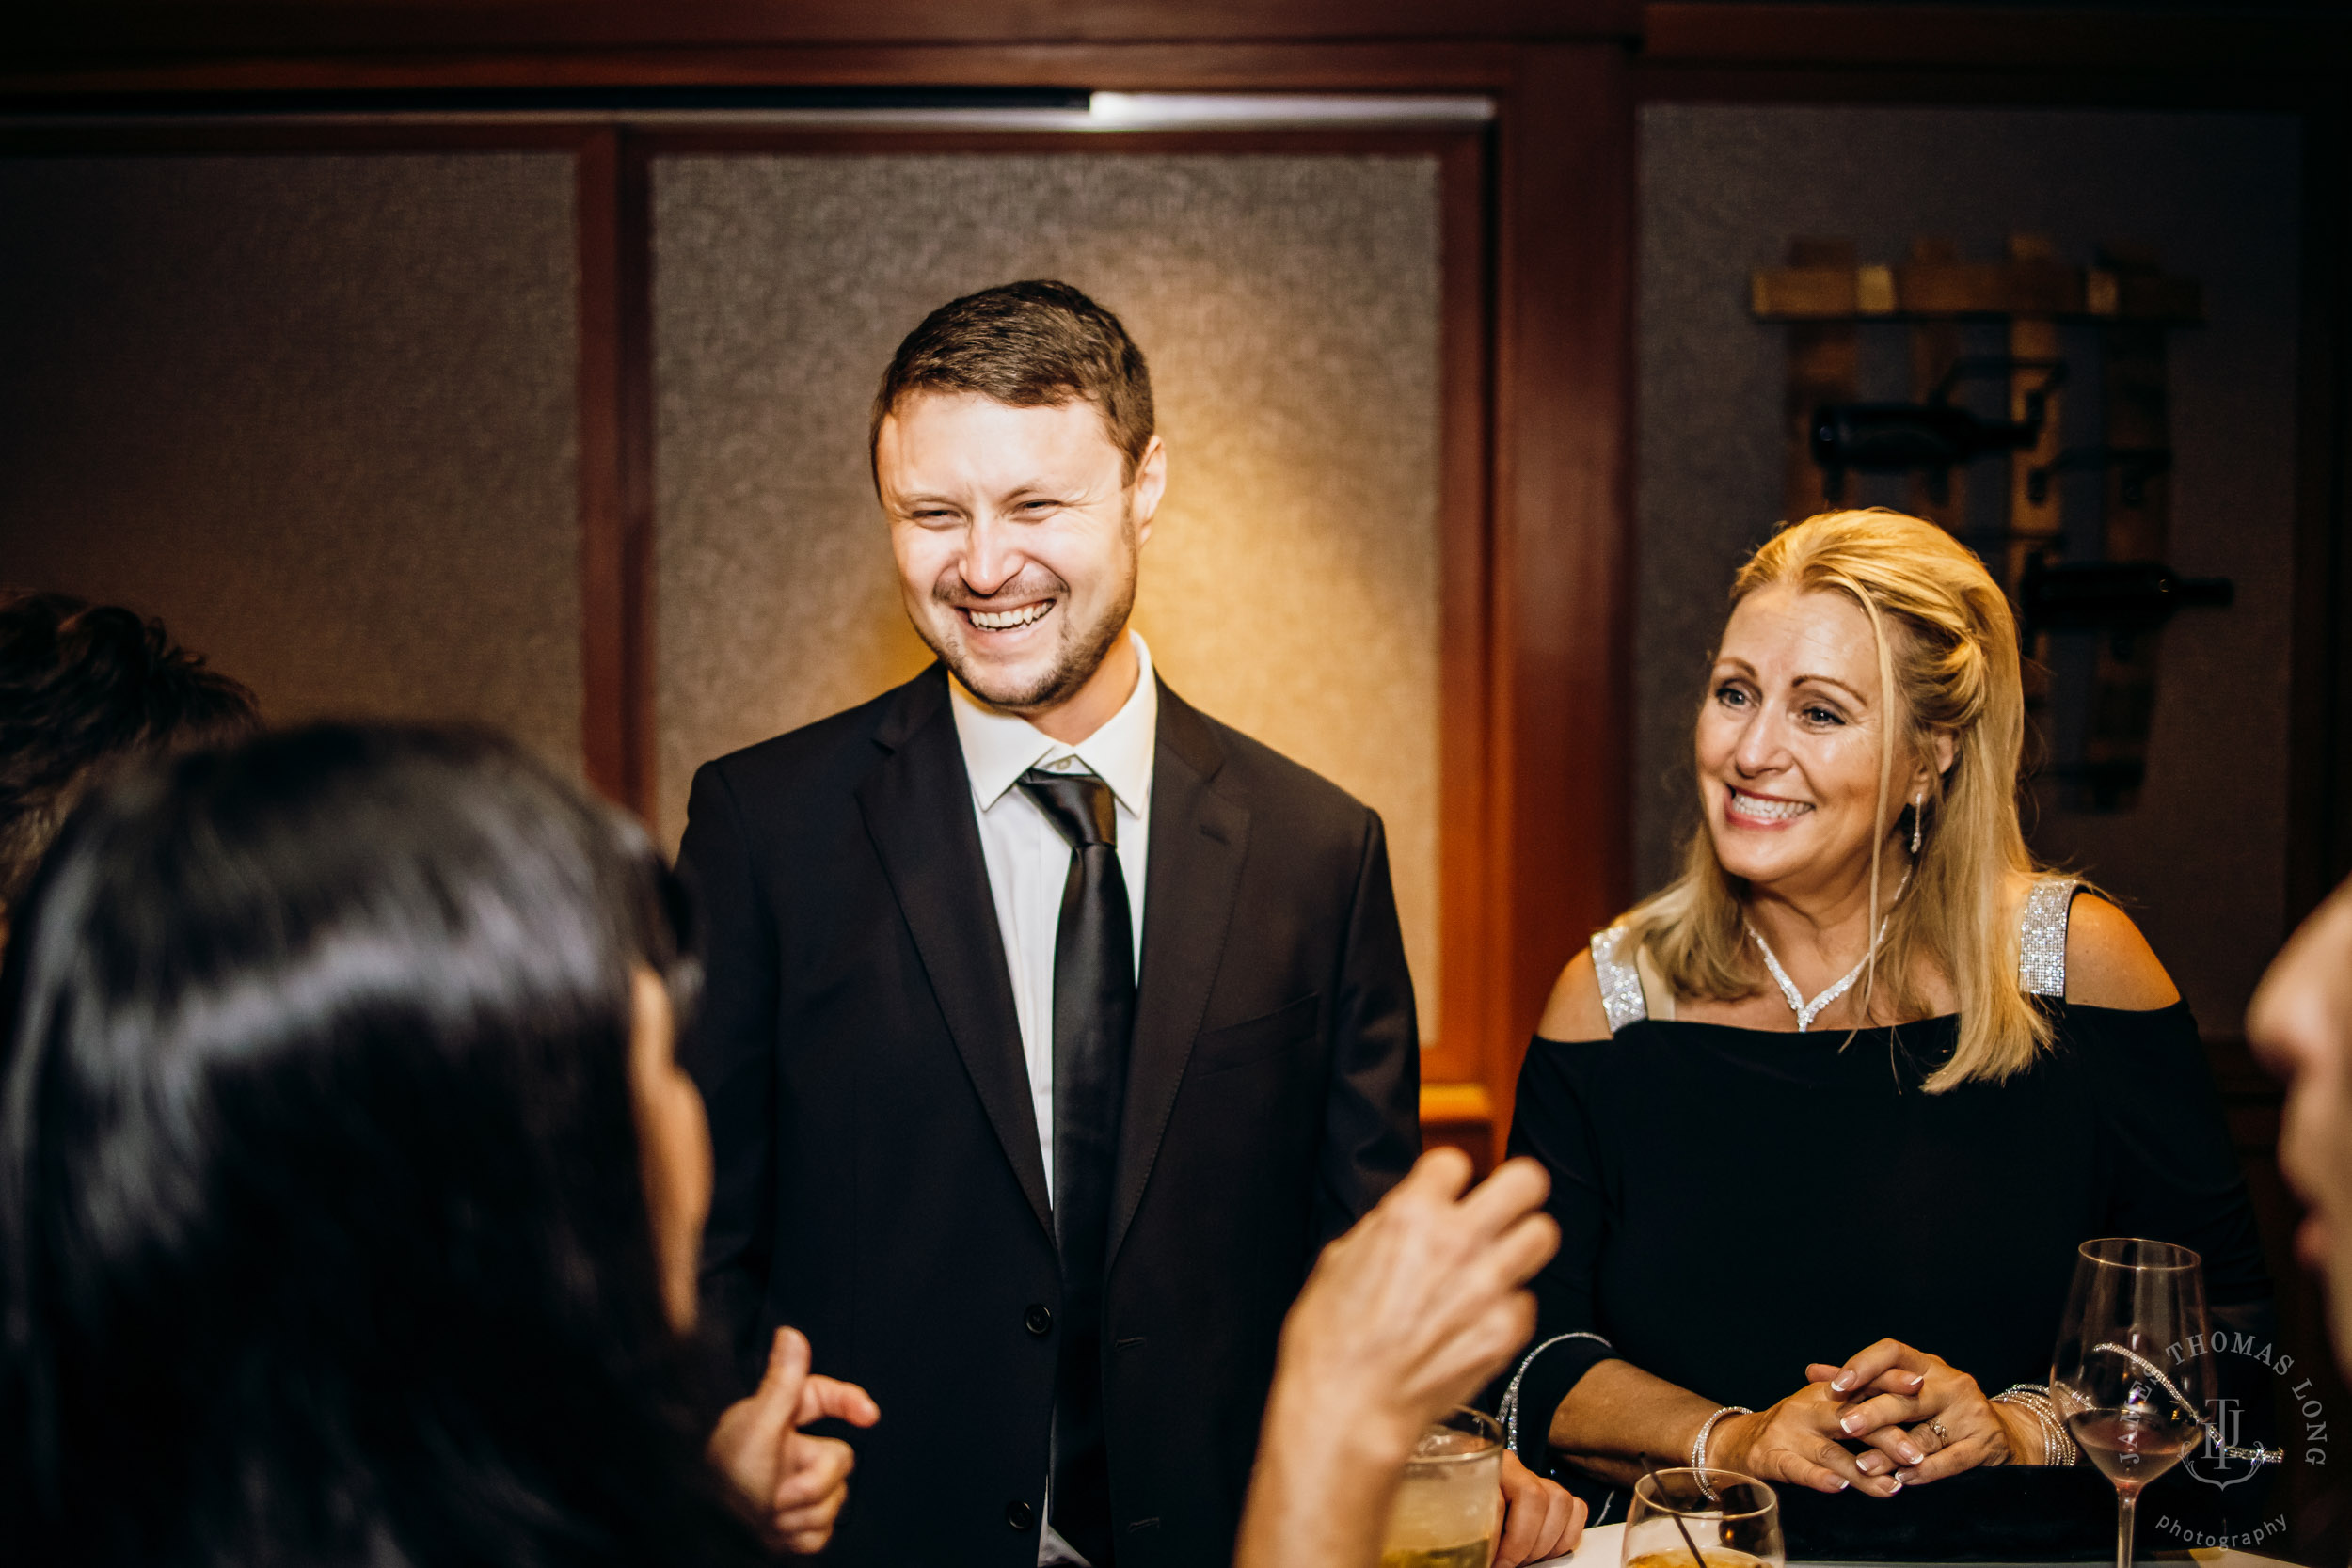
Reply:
x=918, y=806
x=1198, y=839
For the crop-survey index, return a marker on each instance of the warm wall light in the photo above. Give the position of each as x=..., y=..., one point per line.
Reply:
x=1159, y=111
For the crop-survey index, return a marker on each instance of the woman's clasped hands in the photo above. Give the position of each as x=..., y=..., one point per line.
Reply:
x=1917, y=1419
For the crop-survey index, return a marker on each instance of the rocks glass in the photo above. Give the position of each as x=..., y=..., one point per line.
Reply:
x=1684, y=1518
x=1449, y=1512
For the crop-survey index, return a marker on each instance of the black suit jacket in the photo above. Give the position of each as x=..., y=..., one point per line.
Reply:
x=878, y=1180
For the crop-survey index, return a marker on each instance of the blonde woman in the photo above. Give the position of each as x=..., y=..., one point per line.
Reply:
x=1827, y=1117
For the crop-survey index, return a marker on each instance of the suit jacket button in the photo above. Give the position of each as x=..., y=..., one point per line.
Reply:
x=1039, y=1318
x=1020, y=1515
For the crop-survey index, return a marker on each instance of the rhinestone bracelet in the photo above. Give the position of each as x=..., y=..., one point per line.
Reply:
x=2058, y=1445
x=2061, y=1441
x=1698, y=1444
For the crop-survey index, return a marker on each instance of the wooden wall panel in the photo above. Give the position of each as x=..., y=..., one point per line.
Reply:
x=318, y=412
x=1291, y=308
x=1559, y=857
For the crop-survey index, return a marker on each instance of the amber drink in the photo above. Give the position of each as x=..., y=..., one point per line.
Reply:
x=1716, y=1557
x=1448, y=1510
x=1681, y=1518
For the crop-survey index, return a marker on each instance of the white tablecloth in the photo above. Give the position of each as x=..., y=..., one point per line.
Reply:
x=1600, y=1549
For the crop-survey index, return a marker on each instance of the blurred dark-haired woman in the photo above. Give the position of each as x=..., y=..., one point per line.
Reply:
x=349, y=1195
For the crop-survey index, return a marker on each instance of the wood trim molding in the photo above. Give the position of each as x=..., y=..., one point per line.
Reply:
x=633, y=258
x=604, y=652
x=907, y=140
x=122, y=31
x=1248, y=67
x=616, y=281
x=1560, y=860
x=1466, y=646
x=167, y=140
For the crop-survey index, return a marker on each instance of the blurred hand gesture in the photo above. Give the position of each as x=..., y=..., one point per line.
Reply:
x=794, y=1483
x=1404, y=1317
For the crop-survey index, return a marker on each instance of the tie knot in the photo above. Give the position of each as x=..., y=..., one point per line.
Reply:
x=1078, y=805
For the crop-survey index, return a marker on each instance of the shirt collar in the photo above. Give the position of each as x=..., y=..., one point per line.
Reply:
x=999, y=746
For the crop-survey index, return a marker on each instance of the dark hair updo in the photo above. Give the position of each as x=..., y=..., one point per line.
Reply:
x=81, y=685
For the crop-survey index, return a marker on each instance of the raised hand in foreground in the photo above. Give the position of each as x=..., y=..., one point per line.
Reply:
x=1404, y=1317
x=795, y=1484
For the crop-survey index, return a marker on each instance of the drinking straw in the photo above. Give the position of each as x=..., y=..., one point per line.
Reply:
x=1650, y=1465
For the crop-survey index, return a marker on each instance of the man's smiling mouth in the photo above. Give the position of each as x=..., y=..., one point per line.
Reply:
x=1008, y=620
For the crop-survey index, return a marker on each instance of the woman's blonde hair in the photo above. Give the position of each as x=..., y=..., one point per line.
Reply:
x=1949, y=663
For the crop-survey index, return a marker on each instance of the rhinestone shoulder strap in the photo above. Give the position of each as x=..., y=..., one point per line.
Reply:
x=1620, y=979
x=2042, y=937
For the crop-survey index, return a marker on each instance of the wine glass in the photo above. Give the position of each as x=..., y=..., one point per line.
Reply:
x=1686, y=1519
x=2131, y=1375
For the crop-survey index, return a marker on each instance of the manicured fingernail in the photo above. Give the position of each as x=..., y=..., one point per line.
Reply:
x=1905, y=1478
x=1841, y=1483
x=1851, y=1424
x=1893, y=1484
x=1918, y=1379
x=1910, y=1455
x=1842, y=1382
x=1865, y=1462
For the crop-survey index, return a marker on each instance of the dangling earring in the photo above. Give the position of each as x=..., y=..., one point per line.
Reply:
x=1917, y=802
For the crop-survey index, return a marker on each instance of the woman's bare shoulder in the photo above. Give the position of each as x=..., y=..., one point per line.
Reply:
x=1574, y=1012
x=2109, y=964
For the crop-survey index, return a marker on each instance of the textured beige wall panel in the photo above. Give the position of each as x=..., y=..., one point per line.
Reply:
x=1289, y=307
x=316, y=412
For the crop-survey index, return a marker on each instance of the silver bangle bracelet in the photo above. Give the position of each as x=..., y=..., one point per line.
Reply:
x=1706, y=1428
x=2061, y=1442
x=2058, y=1444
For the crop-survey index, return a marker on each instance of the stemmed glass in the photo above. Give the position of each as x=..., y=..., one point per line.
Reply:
x=2131, y=1375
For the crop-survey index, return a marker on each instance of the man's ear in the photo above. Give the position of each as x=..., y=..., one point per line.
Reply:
x=1151, y=483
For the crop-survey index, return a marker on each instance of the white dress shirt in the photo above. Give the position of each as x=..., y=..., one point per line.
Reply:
x=1029, y=862
x=1028, y=859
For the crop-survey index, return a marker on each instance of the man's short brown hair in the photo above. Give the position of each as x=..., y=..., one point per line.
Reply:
x=1037, y=344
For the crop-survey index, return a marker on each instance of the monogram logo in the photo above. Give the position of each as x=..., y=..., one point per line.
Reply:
x=2218, y=1467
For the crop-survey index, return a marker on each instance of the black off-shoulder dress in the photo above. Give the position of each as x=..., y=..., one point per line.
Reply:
x=1735, y=1203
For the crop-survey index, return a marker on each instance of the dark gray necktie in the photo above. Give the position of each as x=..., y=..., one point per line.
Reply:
x=1094, y=1016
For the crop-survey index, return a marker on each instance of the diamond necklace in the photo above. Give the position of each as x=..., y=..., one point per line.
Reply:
x=1807, y=1011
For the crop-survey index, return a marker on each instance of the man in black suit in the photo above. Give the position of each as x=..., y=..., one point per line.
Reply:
x=1051, y=1026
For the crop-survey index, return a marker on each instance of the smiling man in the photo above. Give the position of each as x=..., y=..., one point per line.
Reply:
x=1051, y=1026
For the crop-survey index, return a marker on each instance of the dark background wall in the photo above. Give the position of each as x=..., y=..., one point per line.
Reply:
x=2201, y=861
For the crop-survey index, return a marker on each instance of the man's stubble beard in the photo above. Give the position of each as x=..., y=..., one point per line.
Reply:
x=1078, y=653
